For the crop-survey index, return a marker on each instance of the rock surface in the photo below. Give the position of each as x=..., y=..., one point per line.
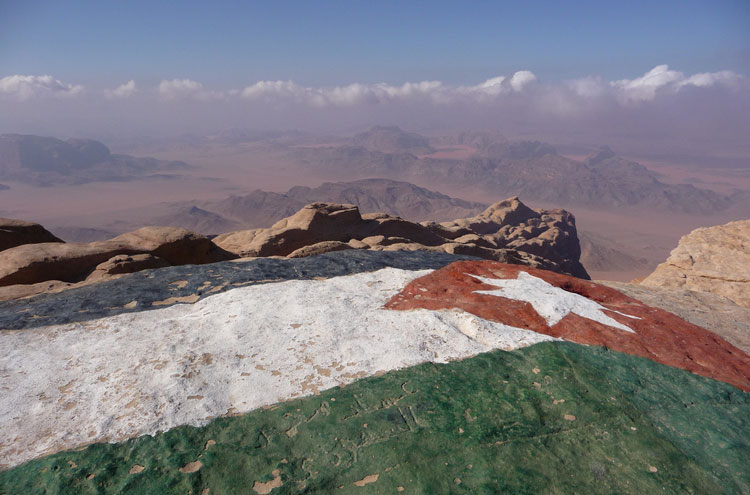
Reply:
x=507, y=231
x=710, y=311
x=150, y=289
x=543, y=419
x=578, y=311
x=711, y=259
x=73, y=262
x=17, y=232
x=227, y=347
x=123, y=263
x=239, y=340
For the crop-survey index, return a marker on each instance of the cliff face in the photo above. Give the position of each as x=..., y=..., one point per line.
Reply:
x=712, y=259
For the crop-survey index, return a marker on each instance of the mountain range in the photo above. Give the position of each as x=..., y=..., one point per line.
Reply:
x=48, y=161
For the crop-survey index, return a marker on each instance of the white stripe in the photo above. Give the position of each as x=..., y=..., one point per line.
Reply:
x=139, y=373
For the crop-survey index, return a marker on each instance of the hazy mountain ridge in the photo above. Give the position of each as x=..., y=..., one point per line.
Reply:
x=48, y=161
x=531, y=169
x=391, y=139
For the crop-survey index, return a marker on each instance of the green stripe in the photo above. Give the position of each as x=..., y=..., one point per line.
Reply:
x=693, y=430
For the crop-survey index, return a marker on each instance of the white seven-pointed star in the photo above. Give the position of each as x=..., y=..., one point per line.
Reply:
x=552, y=303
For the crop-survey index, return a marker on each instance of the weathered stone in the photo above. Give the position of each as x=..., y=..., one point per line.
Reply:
x=713, y=312
x=319, y=248
x=72, y=262
x=548, y=239
x=710, y=259
x=17, y=232
x=124, y=263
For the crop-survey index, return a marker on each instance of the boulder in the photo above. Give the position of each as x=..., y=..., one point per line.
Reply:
x=710, y=259
x=508, y=212
x=18, y=232
x=319, y=248
x=316, y=222
x=124, y=263
x=73, y=262
x=175, y=245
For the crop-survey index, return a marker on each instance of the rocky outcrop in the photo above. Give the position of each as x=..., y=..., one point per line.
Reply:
x=507, y=231
x=710, y=259
x=123, y=263
x=73, y=262
x=710, y=311
x=17, y=232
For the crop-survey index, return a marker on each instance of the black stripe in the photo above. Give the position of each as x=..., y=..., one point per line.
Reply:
x=109, y=298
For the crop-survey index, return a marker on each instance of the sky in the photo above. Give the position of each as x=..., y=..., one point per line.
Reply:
x=133, y=67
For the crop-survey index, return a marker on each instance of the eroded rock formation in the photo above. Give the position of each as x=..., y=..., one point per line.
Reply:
x=73, y=262
x=710, y=259
x=507, y=231
x=17, y=232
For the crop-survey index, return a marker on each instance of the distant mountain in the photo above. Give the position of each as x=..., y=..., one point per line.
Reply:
x=600, y=254
x=393, y=197
x=48, y=161
x=530, y=169
x=391, y=139
x=262, y=208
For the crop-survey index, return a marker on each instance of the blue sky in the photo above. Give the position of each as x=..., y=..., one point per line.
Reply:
x=233, y=43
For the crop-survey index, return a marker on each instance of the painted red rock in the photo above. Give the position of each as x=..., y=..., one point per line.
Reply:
x=578, y=311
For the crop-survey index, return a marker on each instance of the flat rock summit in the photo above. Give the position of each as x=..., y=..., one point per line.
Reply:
x=340, y=352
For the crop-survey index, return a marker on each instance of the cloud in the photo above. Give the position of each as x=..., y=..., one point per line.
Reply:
x=380, y=93
x=661, y=79
x=122, y=91
x=26, y=87
x=351, y=94
x=175, y=89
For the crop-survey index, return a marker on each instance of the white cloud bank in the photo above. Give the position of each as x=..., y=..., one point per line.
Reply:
x=125, y=90
x=661, y=80
x=176, y=89
x=23, y=87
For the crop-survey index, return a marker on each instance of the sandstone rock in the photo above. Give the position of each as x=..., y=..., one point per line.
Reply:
x=73, y=262
x=17, y=232
x=548, y=239
x=508, y=212
x=710, y=311
x=509, y=224
x=319, y=248
x=710, y=259
x=124, y=263
x=316, y=222
x=175, y=245
x=357, y=244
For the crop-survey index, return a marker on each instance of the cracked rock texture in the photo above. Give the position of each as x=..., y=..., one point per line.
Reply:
x=710, y=259
x=507, y=231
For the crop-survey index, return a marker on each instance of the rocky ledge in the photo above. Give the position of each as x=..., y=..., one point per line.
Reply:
x=711, y=259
